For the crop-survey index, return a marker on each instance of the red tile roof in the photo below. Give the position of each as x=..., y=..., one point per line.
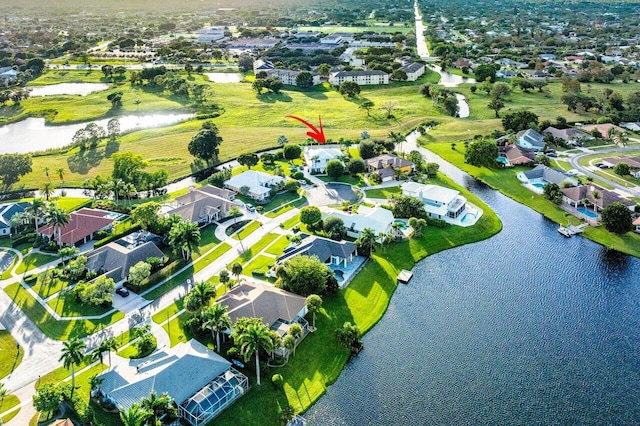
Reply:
x=82, y=223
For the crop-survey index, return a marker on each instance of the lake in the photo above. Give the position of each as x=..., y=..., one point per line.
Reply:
x=524, y=328
x=82, y=89
x=32, y=134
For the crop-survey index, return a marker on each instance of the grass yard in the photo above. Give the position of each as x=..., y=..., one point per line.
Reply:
x=207, y=240
x=247, y=230
x=351, y=180
x=131, y=352
x=49, y=77
x=69, y=307
x=254, y=249
x=259, y=264
x=383, y=193
x=58, y=330
x=285, y=208
x=11, y=354
x=506, y=182
x=34, y=260
x=46, y=286
x=290, y=223
x=278, y=246
x=320, y=359
x=8, y=402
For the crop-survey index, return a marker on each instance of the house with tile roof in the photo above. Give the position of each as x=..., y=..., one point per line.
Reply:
x=207, y=382
x=387, y=166
x=517, y=156
x=636, y=224
x=595, y=196
x=203, y=205
x=82, y=225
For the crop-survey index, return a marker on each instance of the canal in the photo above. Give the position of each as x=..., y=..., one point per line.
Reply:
x=524, y=328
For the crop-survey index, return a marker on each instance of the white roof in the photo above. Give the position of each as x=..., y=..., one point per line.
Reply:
x=439, y=193
x=412, y=186
x=256, y=181
x=376, y=218
x=324, y=154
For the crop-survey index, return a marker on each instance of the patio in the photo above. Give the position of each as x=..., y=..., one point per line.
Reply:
x=343, y=274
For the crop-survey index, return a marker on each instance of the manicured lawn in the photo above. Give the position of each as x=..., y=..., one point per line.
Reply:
x=259, y=264
x=59, y=330
x=9, y=402
x=290, y=223
x=61, y=373
x=285, y=208
x=254, y=249
x=34, y=260
x=247, y=230
x=69, y=76
x=383, y=192
x=278, y=246
x=351, y=180
x=10, y=354
x=207, y=240
x=46, y=286
x=70, y=307
x=506, y=182
x=235, y=226
x=131, y=352
x=280, y=200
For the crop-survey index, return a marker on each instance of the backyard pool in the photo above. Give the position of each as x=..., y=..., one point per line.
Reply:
x=589, y=213
x=538, y=185
x=339, y=275
x=403, y=224
x=468, y=218
x=502, y=160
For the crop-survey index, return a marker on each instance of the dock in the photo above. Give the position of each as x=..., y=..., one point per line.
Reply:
x=405, y=276
x=571, y=230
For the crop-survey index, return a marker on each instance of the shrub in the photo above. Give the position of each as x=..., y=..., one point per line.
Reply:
x=277, y=380
x=297, y=175
x=335, y=169
x=292, y=186
x=375, y=178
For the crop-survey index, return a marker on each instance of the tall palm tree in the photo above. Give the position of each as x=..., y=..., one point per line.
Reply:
x=107, y=345
x=47, y=189
x=72, y=354
x=57, y=218
x=199, y=296
x=254, y=338
x=116, y=185
x=135, y=415
x=60, y=171
x=46, y=172
x=314, y=302
x=367, y=240
x=184, y=238
x=34, y=209
x=16, y=220
x=216, y=319
x=397, y=228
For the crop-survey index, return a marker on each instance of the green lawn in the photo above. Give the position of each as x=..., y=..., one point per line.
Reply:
x=46, y=286
x=351, y=180
x=259, y=264
x=277, y=248
x=130, y=352
x=10, y=354
x=9, y=402
x=285, y=208
x=34, y=260
x=506, y=182
x=207, y=240
x=61, y=373
x=290, y=223
x=254, y=249
x=69, y=307
x=247, y=230
x=383, y=193
x=59, y=330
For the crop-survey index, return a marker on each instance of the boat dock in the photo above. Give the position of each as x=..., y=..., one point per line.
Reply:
x=571, y=230
x=405, y=276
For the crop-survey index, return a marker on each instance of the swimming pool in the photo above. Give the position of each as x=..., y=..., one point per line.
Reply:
x=339, y=275
x=467, y=218
x=538, y=185
x=403, y=226
x=587, y=212
x=502, y=160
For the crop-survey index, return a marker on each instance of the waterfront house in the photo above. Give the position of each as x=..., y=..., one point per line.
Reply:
x=530, y=139
x=387, y=166
x=594, y=196
x=317, y=158
x=536, y=178
x=199, y=380
x=203, y=205
x=439, y=202
x=377, y=219
x=328, y=251
x=81, y=227
x=517, y=156
x=7, y=211
x=258, y=185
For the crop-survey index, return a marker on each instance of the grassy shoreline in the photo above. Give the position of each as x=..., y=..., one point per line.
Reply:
x=320, y=360
x=505, y=181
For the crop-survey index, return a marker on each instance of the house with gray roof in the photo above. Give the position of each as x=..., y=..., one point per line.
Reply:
x=414, y=70
x=571, y=136
x=203, y=205
x=363, y=78
x=7, y=211
x=530, y=139
x=328, y=251
x=538, y=177
x=116, y=258
x=593, y=196
x=200, y=381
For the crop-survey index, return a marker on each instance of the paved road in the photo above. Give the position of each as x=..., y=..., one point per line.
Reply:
x=575, y=163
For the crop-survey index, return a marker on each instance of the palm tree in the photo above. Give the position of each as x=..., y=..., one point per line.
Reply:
x=61, y=172
x=34, y=209
x=254, y=338
x=116, y=186
x=134, y=416
x=236, y=269
x=16, y=220
x=367, y=240
x=216, y=319
x=72, y=355
x=282, y=140
x=314, y=302
x=199, y=296
x=289, y=343
x=47, y=189
x=3, y=392
x=184, y=238
x=397, y=228
x=108, y=345
x=57, y=218
x=128, y=190
x=46, y=172
x=156, y=406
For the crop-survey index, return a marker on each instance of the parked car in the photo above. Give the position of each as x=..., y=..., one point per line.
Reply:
x=122, y=291
x=250, y=207
x=552, y=155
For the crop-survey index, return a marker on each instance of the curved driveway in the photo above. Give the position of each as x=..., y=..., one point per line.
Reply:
x=575, y=163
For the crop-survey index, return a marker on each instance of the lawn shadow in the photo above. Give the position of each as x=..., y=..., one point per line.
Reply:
x=84, y=160
x=111, y=148
x=271, y=98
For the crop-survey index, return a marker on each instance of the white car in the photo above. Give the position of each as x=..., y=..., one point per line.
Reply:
x=250, y=207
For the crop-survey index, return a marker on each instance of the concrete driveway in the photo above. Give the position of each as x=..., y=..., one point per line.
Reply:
x=128, y=304
x=330, y=194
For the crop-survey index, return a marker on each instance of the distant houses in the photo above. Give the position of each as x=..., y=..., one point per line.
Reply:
x=287, y=77
x=570, y=135
x=255, y=184
x=388, y=166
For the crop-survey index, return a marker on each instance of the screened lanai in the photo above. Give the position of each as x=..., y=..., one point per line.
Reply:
x=214, y=397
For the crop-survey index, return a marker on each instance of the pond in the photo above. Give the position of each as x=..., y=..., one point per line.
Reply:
x=524, y=328
x=82, y=89
x=224, y=77
x=32, y=134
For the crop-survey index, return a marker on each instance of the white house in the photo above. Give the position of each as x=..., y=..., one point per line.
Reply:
x=288, y=77
x=259, y=184
x=376, y=218
x=318, y=157
x=443, y=203
x=210, y=35
x=363, y=78
x=530, y=139
x=414, y=70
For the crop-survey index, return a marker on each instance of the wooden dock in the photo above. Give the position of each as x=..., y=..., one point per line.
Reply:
x=405, y=276
x=571, y=230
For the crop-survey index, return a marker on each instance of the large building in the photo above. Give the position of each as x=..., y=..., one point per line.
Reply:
x=210, y=35
x=363, y=78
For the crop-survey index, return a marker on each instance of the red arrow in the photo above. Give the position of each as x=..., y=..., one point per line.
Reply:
x=315, y=133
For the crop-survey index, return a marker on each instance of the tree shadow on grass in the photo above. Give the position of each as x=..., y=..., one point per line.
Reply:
x=111, y=148
x=271, y=98
x=83, y=161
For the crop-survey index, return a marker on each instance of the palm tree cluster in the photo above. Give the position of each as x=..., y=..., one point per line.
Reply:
x=184, y=237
